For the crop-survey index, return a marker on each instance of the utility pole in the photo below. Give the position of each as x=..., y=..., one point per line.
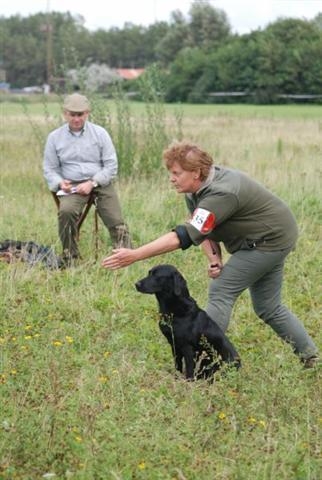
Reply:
x=49, y=46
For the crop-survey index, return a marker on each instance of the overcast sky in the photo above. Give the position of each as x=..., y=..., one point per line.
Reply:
x=244, y=15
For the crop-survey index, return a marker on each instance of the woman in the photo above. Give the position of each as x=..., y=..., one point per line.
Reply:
x=256, y=228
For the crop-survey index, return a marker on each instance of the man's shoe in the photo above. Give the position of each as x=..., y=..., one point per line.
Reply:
x=311, y=362
x=69, y=260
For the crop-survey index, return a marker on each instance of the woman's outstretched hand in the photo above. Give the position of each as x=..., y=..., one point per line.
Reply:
x=121, y=257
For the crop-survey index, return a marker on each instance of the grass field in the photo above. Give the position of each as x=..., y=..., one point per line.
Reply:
x=88, y=389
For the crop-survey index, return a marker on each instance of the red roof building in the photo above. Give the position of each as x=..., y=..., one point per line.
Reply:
x=129, y=73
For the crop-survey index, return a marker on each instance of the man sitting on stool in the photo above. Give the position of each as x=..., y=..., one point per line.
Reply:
x=80, y=158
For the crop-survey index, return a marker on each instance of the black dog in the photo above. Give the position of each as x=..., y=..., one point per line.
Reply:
x=192, y=334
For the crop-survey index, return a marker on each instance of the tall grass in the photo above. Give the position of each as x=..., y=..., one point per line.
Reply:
x=88, y=389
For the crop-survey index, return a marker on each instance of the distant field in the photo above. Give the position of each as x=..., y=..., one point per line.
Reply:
x=88, y=389
x=288, y=111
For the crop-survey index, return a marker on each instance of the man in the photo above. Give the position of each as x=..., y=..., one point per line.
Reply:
x=79, y=159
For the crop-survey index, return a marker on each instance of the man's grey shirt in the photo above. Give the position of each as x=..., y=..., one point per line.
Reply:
x=79, y=157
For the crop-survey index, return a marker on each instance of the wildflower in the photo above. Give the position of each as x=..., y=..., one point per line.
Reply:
x=69, y=339
x=103, y=379
x=107, y=354
x=251, y=420
x=13, y=372
x=78, y=439
x=57, y=343
x=28, y=327
x=221, y=415
x=28, y=337
x=141, y=465
x=262, y=423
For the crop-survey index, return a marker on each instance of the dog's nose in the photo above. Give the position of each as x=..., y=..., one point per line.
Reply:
x=138, y=285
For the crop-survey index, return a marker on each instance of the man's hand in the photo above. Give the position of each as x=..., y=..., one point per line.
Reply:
x=85, y=188
x=66, y=186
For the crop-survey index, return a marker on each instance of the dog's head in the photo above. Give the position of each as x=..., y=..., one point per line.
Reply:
x=165, y=279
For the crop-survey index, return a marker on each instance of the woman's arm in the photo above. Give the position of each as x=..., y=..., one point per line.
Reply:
x=125, y=256
x=213, y=252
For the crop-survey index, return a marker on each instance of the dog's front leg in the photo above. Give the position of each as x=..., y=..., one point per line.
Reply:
x=178, y=361
x=189, y=359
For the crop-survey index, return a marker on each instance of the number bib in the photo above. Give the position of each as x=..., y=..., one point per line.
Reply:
x=203, y=220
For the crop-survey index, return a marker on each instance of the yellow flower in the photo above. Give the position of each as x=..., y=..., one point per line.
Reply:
x=78, y=439
x=57, y=343
x=28, y=337
x=141, y=465
x=69, y=339
x=28, y=327
x=262, y=423
x=221, y=415
x=107, y=354
x=103, y=379
x=13, y=372
x=251, y=420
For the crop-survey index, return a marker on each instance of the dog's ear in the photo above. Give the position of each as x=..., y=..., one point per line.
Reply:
x=179, y=283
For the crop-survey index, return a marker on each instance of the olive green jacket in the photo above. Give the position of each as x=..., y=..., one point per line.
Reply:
x=245, y=214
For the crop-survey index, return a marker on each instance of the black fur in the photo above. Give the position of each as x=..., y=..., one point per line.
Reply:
x=193, y=336
x=29, y=252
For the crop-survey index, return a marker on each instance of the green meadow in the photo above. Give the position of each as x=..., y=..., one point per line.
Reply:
x=88, y=389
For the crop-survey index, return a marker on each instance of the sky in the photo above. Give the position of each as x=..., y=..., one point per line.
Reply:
x=243, y=15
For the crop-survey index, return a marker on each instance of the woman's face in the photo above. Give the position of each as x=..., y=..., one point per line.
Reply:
x=184, y=181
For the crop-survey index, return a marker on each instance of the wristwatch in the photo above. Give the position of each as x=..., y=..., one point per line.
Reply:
x=94, y=183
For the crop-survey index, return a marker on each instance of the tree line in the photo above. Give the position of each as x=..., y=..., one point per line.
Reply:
x=197, y=57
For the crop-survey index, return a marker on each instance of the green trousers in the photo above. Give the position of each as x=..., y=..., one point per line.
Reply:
x=261, y=273
x=109, y=210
